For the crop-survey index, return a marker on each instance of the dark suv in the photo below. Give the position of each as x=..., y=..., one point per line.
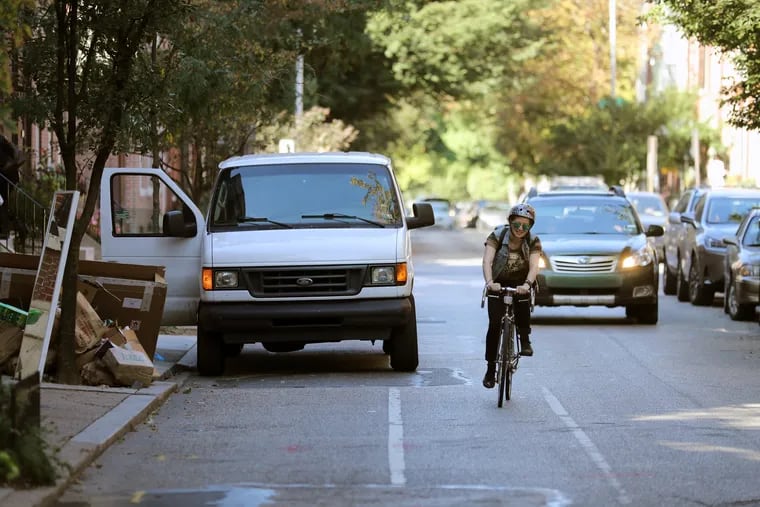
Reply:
x=595, y=252
x=716, y=215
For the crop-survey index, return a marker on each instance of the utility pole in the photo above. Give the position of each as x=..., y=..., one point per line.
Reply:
x=613, y=44
x=299, y=82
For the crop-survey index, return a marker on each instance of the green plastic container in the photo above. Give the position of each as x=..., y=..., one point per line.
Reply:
x=17, y=316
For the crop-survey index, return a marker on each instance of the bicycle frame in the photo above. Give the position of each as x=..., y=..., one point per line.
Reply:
x=508, y=351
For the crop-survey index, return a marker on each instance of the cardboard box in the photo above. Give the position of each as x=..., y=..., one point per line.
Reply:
x=129, y=366
x=129, y=294
x=10, y=340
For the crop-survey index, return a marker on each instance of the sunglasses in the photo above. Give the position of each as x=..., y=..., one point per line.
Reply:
x=518, y=225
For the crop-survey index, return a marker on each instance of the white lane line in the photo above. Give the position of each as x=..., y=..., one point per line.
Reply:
x=591, y=450
x=395, y=438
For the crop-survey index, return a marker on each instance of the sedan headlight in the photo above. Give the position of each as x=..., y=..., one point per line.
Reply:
x=749, y=270
x=714, y=242
x=642, y=257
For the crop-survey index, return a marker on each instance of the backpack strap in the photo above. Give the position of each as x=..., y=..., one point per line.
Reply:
x=502, y=235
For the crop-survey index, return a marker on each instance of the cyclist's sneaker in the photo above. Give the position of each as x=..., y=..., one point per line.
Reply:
x=489, y=380
x=525, y=348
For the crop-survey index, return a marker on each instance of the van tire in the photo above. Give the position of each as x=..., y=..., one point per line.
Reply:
x=403, y=345
x=210, y=353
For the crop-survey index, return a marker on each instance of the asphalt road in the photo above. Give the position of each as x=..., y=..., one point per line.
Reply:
x=608, y=412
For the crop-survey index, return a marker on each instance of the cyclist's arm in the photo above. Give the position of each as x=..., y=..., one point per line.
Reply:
x=488, y=257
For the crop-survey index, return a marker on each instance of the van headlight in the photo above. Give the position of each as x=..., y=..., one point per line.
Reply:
x=394, y=274
x=642, y=257
x=221, y=279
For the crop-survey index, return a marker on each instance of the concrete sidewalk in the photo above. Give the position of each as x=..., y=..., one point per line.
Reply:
x=83, y=421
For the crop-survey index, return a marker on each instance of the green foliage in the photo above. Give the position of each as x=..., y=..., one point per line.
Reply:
x=313, y=132
x=13, y=33
x=732, y=26
x=25, y=459
x=611, y=139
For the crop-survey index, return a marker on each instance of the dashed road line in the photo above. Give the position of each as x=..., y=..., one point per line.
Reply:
x=591, y=450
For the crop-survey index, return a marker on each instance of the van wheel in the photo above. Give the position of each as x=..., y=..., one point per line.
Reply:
x=233, y=349
x=403, y=344
x=210, y=353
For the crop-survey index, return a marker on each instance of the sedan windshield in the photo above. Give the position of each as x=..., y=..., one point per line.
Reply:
x=725, y=210
x=589, y=216
x=316, y=195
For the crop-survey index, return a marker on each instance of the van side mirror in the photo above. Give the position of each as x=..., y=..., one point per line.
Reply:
x=175, y=225
x=423, y=216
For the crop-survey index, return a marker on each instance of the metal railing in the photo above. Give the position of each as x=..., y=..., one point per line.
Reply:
x=23, y=220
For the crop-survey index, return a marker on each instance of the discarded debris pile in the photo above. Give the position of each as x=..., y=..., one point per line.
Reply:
x=117, y=320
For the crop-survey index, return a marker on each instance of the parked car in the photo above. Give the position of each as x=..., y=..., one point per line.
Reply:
x=595, y=252
x=491, y=215
x=742, y=269
x=674, y=277
x=652, y=209
x=717, y=214
x=466, y=213
x=443, y=211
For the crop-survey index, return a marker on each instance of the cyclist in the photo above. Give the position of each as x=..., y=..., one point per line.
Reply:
x=510, y=259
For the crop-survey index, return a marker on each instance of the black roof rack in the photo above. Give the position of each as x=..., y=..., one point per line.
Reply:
x=617, y=190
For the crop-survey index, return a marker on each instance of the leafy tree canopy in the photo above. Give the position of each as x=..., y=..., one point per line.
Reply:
x=732, y=26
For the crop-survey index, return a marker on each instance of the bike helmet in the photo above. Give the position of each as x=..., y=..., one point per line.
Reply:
x=523, y=210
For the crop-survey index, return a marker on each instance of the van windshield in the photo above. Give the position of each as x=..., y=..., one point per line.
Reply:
x=313, y=195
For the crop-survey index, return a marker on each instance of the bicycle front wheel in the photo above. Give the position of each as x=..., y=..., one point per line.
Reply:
x=505, y=382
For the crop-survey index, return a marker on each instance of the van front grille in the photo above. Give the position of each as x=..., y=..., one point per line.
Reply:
x=305, y=281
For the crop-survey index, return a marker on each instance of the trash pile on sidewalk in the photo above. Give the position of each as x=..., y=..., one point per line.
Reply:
x=119, y=309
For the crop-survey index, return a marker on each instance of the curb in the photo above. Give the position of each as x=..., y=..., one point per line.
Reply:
x=84, y=448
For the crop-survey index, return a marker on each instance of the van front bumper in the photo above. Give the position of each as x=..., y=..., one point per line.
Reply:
x=305, y=321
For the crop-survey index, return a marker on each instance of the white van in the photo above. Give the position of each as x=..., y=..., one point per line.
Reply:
x=295, y=248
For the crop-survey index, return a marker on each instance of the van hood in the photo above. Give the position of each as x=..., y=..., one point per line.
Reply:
x=276, y=247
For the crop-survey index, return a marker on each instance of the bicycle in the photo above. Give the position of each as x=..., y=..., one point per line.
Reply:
x=508, y=351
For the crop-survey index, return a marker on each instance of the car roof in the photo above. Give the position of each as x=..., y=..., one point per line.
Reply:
x=353, y=157
x=615, y=192
x=733, y=192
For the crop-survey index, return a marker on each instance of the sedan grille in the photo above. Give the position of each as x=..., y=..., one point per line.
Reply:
x=583, y=264
x=305, y=281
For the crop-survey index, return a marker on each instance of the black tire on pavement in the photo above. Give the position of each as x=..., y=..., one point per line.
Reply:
x=669, y=281
x=682, y=284
x=404, y=354
x=387, y=346
x=210, y=353
x=648, y=314
x=736, y=310
x=699, y=294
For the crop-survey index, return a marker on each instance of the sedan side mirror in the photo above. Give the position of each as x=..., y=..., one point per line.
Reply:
x=654, y=230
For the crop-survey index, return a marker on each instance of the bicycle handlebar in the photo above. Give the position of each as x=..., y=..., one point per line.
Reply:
x=501, y=293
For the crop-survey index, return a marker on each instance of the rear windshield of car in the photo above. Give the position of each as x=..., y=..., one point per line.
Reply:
x=650, y=205
x=726, y=210
x=584, y=215
x=314, y=195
